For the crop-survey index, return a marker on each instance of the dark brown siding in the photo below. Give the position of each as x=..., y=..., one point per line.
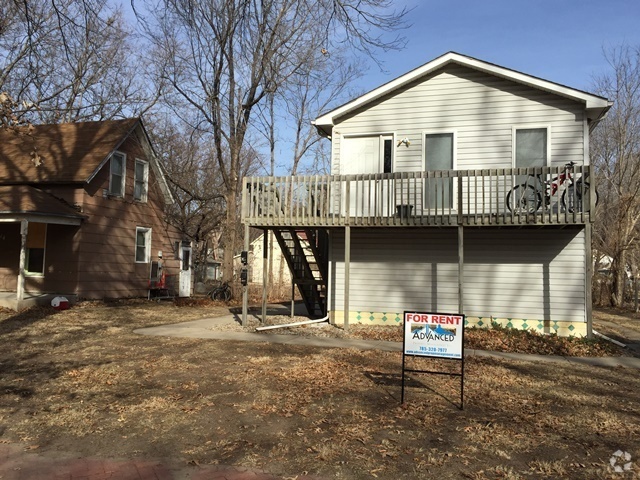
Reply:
x=61, y=259
x=107, y=267
x=9, y=256
x=60, y=264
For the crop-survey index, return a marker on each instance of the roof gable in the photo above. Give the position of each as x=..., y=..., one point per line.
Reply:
x=69, y=152
x=595, y=106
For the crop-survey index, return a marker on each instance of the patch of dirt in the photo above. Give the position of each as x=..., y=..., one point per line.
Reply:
x=81, y=382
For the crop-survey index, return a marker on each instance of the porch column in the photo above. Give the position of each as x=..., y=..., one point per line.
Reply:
x=588, y=279
x=460, y=269
x=265, y=272
x=245, y=288
x=24, y=228
x=347, y=265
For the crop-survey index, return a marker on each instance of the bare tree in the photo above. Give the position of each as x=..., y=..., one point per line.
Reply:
x=287, y=117
x=222, y=58
x=69, y=60
x=615, y=152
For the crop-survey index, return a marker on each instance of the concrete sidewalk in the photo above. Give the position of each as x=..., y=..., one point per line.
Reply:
x=205, y=329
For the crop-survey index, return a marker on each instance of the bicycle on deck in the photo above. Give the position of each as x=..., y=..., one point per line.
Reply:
x=528, y=197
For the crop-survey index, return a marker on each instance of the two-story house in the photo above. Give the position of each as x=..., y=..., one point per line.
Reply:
x=460, y=187
x=82, y=213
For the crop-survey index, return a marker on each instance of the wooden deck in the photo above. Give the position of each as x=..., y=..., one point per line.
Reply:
x=422, y=199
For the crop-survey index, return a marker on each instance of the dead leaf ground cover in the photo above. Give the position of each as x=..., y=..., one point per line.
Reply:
x=81, y=382
x=496, y=338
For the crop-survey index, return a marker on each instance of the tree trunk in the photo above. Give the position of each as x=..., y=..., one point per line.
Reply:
x=230, y=236
x=619, y=279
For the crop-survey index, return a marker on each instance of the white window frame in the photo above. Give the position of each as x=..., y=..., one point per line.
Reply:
x=454, y=161
x=145, y=180
x=147, y=246
x=536, y=126
x=123, y=173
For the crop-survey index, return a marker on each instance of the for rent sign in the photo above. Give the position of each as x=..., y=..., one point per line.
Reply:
x=433, y=334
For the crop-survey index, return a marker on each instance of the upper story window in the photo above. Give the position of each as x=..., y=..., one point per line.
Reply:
x=117, y=174
x=141, y=180
x=531, y=147
x=143, y=245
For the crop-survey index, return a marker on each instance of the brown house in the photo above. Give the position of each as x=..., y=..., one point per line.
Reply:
x=82, y=213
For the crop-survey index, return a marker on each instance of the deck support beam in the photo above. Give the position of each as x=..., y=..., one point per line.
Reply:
x=347, y=267
x=245, y=288
x=460, y=269
x=265, y=272
x=588, y=279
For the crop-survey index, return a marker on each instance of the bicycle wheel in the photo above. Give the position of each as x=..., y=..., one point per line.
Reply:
x=226, y=294
x=523, y=199
x=576, y=197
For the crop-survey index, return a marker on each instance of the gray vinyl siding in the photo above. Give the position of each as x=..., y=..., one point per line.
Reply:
x=509, y=273
x=480, y=108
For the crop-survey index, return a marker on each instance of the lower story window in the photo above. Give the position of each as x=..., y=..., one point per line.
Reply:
x=143, y=245
x=36, y=239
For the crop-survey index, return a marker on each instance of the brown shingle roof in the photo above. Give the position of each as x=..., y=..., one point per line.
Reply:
x=69, y=152
x=23, y=199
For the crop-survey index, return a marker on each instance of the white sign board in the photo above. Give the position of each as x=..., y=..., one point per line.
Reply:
x=433, y=334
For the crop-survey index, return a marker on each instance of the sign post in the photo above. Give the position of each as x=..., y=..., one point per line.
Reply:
x=434, y=335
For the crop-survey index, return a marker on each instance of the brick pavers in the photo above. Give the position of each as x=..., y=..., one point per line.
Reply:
x=18, y=463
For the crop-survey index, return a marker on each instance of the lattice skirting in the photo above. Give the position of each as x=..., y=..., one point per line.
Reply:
x=560, y=327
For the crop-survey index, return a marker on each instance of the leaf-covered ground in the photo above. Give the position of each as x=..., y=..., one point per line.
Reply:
x=496, y=339
x=79, y=382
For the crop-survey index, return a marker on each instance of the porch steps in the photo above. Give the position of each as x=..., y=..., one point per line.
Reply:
x=306, y=252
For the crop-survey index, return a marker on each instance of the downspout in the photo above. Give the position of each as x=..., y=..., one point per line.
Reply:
x=295, y=324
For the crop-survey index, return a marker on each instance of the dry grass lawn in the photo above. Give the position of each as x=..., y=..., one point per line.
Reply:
x=81, y=382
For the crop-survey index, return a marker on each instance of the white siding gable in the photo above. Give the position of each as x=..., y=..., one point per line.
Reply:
x=482, y=109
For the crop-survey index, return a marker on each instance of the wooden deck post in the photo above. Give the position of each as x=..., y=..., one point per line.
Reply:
x=293, y=297
x=24, y=228
x=588, y=279
x=265, y=272
x=347, y=265
x=460, y=269
x=245, y=288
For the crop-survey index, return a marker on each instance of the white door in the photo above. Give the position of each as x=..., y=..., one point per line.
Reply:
x=367, y=155
x=185, y=270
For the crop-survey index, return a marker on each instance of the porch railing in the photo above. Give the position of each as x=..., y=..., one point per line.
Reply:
x=506, y=196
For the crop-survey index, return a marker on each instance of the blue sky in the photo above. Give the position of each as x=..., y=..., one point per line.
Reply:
x=558, y=40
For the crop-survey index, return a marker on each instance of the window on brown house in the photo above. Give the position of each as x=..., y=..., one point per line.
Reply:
x=117, y=174
x=141, y=180
x=36, y=240
x=143, y=245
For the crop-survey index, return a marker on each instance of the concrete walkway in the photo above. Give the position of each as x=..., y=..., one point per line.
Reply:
x=206, y=329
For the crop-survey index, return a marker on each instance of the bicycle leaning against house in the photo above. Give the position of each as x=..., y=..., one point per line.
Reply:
x=528, y=197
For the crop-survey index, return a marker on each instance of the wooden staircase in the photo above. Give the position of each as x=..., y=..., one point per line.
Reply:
x=306, y=252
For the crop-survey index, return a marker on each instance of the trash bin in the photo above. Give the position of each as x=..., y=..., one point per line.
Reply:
x=404, y=211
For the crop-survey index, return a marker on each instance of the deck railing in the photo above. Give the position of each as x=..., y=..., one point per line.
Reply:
x=506, y=196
